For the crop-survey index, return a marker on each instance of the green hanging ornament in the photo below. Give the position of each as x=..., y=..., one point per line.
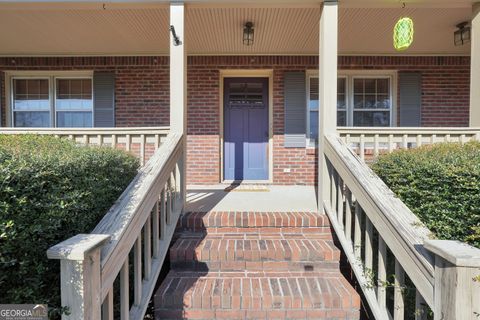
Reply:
x=403, y=34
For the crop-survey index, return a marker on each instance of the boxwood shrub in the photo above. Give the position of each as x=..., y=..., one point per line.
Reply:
x=50, y=190
x=441, y=185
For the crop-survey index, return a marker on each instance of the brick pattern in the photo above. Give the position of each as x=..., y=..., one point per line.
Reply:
x=262, y=275
x=142, y=99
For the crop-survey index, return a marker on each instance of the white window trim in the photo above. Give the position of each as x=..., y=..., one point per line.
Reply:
x=51, y=76
x=350, y=75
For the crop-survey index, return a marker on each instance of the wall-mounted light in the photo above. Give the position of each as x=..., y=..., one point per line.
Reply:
x=462, y=35
x=248, y=34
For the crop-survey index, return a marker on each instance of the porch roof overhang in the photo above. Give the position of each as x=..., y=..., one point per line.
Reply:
x=120, y=27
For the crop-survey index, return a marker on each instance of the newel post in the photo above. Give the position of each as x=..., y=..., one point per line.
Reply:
x=327, y=80
x=80, y=275
x=457, y=280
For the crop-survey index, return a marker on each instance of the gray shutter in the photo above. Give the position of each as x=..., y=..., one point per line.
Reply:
x=295, y=110
x=104, y=99
x=410, y=84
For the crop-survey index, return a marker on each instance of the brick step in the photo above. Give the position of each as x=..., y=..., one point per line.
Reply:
x=201, y=221
x=315, y=295
x=254, y=253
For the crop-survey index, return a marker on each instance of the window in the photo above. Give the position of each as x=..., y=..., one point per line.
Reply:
x=73, y=102
x=52, y=102
x=362, y=101
x=31, y=103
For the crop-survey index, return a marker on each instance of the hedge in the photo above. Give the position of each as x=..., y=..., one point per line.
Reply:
x=441, y=185
x=50, y=190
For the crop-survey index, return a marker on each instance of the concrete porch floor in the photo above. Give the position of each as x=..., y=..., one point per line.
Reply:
x=276, y=199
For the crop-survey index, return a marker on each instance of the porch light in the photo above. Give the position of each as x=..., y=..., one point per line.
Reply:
x=462, y=35
x=248, y=34
x=403, y=34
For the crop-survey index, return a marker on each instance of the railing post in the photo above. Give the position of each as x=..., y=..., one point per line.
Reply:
x=457, y=280
x=328, y=55
x=475, y=67
x=80, y=275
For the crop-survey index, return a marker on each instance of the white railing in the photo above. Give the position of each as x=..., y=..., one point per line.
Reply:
x=369, y=221
x=370, y=142
x=136, y=230
x=142, y=142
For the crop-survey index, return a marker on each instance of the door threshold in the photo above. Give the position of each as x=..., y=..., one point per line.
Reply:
x=246, y=182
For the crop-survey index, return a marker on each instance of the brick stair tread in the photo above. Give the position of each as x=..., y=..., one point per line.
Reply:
x=256, y=291
x=242, y=247
x=200, y=221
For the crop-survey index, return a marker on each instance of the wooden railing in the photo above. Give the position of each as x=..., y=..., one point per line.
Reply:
x=370, y=142
x=142, y=142
x=136, y=231
x=373, y=226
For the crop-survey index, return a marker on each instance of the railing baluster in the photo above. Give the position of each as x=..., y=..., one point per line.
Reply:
x=128, y=142
x=348, y=215
x=447, y=138
x=142, y=149
x=390, y=143
x=157, y=141
x=147, y=254
x=85, y=139
x=333, y=189
x=405, y=141
x=162, y=214
x=375, y=145
x=155, y=223
x=100, y=140
x=399, y=300
x=137, y=271
x=368, y=244
x=168, y=203
x=433, y=138
x=107, y=308
x=419, y=140
x=114, y=141
x=462, y=139
x=357, y=233
x=362, y=146
x=124, y=292
x=340, y=199
x=382, y=274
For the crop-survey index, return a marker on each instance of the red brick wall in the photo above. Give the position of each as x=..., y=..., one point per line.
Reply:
x=142, y=99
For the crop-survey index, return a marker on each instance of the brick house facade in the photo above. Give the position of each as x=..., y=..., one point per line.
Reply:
x=142, y=99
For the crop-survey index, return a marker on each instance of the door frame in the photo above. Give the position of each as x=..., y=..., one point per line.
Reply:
x=244, y=73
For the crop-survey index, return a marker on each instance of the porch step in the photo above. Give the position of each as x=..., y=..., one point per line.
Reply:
x=256, y=295
x=255, y=265
x=243, y=251
x=232, y=221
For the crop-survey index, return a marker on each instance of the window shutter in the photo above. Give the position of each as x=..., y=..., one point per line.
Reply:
x=104, y=99
x=410, y=84
x=295, y=110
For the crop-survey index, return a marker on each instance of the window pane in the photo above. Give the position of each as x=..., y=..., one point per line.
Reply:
x=74, y=119
x=358, y=101
x=341, y=85
x=30, y=94
x=383, y=86
x=371, y=118
x=341, y=102
x=370, y=86
x=358, y=86
x=74, y=94
x=27, y=119
x=370, y=101
x=341, y=118
x=383, y=102
x=313, y=134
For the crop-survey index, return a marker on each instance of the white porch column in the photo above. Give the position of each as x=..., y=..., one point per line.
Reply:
x=475, y=68
x=178, y=85
x=327, y=124
x=178, y=70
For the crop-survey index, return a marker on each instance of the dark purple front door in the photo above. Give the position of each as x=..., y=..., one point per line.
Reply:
x=246, y=129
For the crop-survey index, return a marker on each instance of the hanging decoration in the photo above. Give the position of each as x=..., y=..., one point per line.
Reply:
x=403, y=33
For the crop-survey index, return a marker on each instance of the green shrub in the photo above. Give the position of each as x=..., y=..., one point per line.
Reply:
x=50, y=190
x=441, y=185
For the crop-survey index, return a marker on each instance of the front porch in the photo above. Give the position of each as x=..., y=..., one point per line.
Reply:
x=289, y=113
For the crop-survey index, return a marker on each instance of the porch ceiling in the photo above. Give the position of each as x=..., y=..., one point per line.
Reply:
x=134, y=30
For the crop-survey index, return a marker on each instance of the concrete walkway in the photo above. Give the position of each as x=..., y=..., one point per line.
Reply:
x=261, y=199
